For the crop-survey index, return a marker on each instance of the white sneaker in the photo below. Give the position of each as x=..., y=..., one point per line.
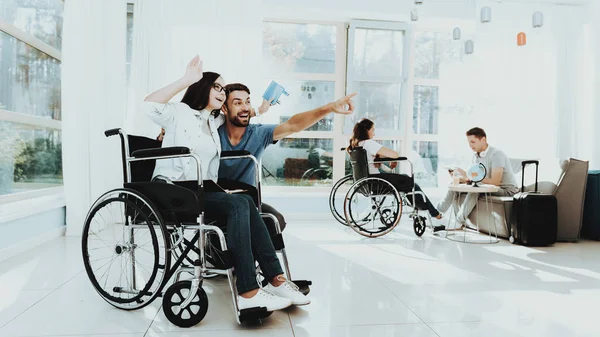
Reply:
x=264, y=299
x=288, y=290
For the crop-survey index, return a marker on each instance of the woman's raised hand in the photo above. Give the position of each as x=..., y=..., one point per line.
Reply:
x=193, y=72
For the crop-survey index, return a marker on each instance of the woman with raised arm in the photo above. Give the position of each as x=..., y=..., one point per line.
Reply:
x=193, y=123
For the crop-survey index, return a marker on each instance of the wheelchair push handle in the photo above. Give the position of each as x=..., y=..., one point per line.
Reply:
x=112, y=132
x=225, y=154
x=159, y=152
x=379, y=160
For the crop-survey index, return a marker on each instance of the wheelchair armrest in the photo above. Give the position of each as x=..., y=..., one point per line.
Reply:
x=160, y=152
x=385, y=160
x=226, y=154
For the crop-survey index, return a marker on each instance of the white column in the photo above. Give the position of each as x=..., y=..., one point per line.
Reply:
x=569, y=51
x=93, y=100
x=594, y=73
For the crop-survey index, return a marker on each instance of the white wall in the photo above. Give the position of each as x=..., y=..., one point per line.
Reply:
x=592, y=85
x=28, y=232
x=166, y=37
x=93, y=100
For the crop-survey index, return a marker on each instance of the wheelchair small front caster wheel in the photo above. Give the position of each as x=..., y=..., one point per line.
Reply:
x=511, y=239
x=190, y=315
x=387, y=217
x=419, y=225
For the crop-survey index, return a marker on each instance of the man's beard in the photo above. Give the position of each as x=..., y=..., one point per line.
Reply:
x=235, y=121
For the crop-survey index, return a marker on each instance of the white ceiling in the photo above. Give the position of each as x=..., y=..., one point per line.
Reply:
x=403, y=3
x=389, y=9
x=555, y=2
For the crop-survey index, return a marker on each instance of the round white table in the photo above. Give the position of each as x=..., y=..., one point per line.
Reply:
x=466, y=234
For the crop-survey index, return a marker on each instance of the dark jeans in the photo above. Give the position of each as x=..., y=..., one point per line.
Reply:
x=247, y=237
x=251, y=190
x=403, y=183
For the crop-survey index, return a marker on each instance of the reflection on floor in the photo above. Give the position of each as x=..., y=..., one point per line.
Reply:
x=397, y=285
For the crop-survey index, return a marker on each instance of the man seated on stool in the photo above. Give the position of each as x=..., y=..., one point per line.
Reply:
x=499, y=173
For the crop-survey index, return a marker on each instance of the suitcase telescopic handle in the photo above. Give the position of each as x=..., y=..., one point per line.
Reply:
x=525, y=163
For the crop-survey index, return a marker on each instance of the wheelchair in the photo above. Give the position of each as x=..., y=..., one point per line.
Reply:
x=338, y=192
x=372, y=205
x=136, y=238
x=320, y=168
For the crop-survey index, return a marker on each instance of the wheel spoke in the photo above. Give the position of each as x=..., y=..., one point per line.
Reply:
x=115, y=212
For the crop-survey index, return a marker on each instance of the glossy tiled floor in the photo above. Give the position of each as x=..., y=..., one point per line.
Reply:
x=398, y=285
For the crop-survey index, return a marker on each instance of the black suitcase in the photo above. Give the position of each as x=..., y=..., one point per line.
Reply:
x=535, y=216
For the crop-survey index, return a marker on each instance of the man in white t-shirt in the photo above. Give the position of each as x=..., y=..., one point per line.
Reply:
x=499, y=173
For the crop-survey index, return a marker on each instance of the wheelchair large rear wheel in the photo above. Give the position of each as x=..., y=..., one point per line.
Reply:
x=125, y=249
x=336, y=198
x=372, y=207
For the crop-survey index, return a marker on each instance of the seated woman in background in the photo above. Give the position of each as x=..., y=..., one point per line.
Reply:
x=362, y=136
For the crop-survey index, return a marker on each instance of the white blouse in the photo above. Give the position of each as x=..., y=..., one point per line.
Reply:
x=372, y=147
x=191, y=128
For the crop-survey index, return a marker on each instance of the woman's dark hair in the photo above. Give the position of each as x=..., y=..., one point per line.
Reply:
x=196, y=96
x=360, y=132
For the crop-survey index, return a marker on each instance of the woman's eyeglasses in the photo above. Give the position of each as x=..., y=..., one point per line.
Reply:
x=218, y=87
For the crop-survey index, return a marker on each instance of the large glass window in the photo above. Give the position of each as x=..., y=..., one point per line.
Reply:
x=379, y=102
x=447, y=91
x=431, y=49
x=376, y=71
x=30, y=96
x=42, y=19
x=30, y=79
x=432, y=63
x=378, y=52
x=425, y=110
x=299, y=48
x=31, y=158
x=299, y=162
x=302, y=58
x=425, y=163
x=304, y=96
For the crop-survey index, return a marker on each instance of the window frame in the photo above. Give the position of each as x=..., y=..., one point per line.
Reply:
x=406, y=92
x=34, y=197
x=413, y=81
x=339, y=79
x=342, y=78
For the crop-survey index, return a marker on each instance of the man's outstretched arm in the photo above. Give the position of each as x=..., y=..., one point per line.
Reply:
x=306, y=119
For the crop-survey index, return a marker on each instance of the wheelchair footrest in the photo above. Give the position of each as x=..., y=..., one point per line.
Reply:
x=304, y=286
x=252, y=314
